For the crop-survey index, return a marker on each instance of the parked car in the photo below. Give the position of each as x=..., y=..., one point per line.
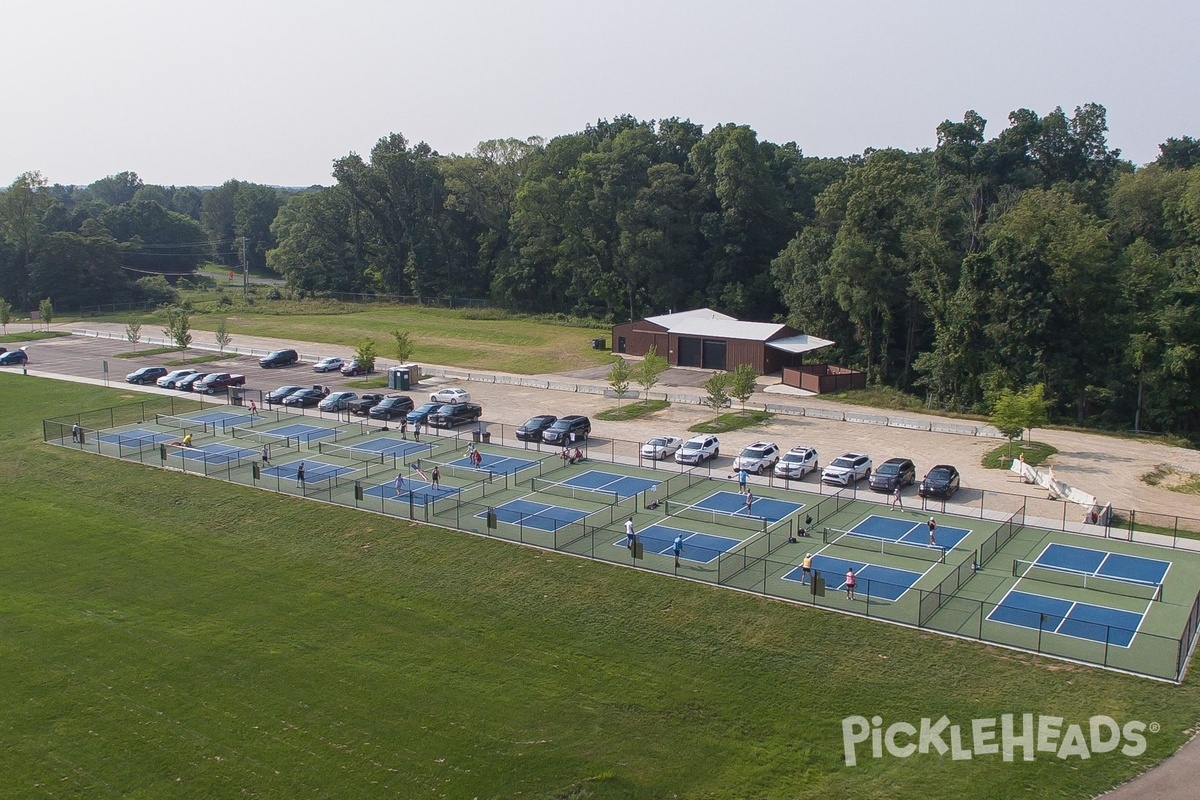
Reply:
x=337, y=401
x=13, y=357
x=280, y=393
x=796, y=463
x=218, y=381
x=279, y=358
x=698, y=449
x=661, y=447
x=392, y=406
x=305, y=398
x=571, y=428
x=451, y=394
x=172, y=379
x=365, y=402
x=145, y=375
x=352, y=368
x=757, y=458
x=531, y=430
x=189, y=383
x=421, y=413
x=892, y=473
x=941, y=481
x=451, y=414
x=329, y=364
x=847, y=469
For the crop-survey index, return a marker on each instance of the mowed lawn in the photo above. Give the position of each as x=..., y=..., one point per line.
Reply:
x=164, y=635
x=440, y=335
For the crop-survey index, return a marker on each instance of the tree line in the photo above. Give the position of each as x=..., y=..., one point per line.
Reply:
x=1037, y=256
x=120, y=240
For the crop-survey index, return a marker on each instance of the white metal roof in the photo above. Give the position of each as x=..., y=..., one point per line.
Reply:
x=801, y=343
x=706, y=322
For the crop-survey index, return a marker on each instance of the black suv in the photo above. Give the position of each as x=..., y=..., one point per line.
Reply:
x=561, y=431
x=279, y=358
x=893, y=473
x=531, y=431
x=392, y=406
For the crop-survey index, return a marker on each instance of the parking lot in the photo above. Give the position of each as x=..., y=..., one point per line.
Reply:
x=1108, y=467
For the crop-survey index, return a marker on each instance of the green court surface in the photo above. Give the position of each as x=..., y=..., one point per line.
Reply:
x=1099, y=601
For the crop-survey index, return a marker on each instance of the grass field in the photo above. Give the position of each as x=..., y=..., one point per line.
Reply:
x=167, y=635
x=459, y=337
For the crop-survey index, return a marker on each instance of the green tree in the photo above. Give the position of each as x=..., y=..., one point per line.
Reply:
x=254, y=210
x=618, y=379
x=156, y=240
x=179, y=327
x=1013, y=413
x=400, y=196
x=648, y=372
x=717, y=387
x=223, y=337
x=1049, y=266
x=6, y=313
x=133, y=333
x=366, y=354
x=115, y=189
x=741, y=383
x=46, y=307
x=403, y=345
x=322, y=243
x=156, y=289
x=23, y=207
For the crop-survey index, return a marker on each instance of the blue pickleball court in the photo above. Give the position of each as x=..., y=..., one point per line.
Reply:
x=531, y=514
x=908, y=532
x=416, y=491
x=701, y=548
x=621, y=485
x=873, y=580
x=733, y=504
x=1067, y=618
x=213, y=453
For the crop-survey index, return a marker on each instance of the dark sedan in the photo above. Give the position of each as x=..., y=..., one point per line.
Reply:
x=942, y=481
x=146, y=375
x=189, y=383
x=304, y=398
x=421, y=413
x=391, y=407
x=13, y=357
x=531, y=431
x=280, y=393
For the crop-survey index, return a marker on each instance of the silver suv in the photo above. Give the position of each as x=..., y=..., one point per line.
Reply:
x=847, y=469
x=698, y=449
x=757, y=458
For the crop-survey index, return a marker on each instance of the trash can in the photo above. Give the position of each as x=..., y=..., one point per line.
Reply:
x=235, y=395
x=476, y=436
x=487, y=437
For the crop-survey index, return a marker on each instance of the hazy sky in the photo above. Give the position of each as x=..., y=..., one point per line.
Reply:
x=273, y=91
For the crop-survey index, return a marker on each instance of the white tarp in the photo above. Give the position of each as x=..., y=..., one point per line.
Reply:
x=1093, y=511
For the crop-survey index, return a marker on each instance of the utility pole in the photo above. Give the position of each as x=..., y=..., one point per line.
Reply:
x=245, y=272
